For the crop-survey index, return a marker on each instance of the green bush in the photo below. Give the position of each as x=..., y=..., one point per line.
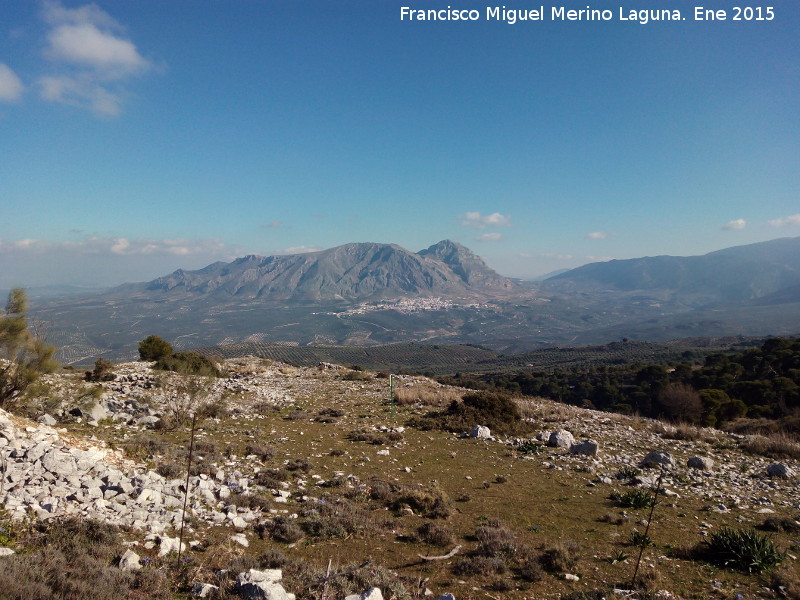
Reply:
x=154, y=348
x=744, y=550
x=188, y=363
x=635, y=499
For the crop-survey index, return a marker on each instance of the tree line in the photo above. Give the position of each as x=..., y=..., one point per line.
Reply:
x=762, y=382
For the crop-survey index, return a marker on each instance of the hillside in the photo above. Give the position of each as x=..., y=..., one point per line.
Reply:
x=734, y=276
x=312, y=472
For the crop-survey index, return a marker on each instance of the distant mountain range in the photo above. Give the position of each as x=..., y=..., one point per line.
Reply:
x=761, y=273
x=352, y=272
x=371, y=294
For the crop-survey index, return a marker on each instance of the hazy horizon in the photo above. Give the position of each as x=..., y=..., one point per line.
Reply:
x=143, y=137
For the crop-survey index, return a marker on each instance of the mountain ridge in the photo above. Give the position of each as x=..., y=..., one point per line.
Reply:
x=350, y=272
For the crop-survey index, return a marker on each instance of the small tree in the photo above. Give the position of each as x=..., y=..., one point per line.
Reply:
x=154, y=348
x=681, y=402
x=25, y=354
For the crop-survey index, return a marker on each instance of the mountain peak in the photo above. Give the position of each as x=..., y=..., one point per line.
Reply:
x=466, y=264
x=352, y=272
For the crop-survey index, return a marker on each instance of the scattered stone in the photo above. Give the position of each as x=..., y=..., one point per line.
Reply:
x=6, y=552
x=658, y=458
x=240, y=539
x=203, y=590
x=571, y=577
x=262, y=585
x=46, y=419
x=585, y=448
x=779, y=470
x=130, y=561
x=447, y=596
x=561, y=439
x=701, y=463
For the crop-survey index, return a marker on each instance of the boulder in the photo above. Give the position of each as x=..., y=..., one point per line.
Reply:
x=561, y=439
x=262, y=585
x=481, y=432
x=130, y=561
x=780, y=471
x=658, y=458
x=585, y=448
x=701, y=463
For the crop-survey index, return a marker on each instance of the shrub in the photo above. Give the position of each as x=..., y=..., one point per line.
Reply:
x=635, y=499
x=561, y=558
x=334, y=518
x=188, y=363
x=495, y=539
x=494, y=410
x=285, y=530
x=744, y=550
x=628, y=473
x=299, y=464
x=434, y=534
x=781, y=524
x=271, y=478
x=73, y=559
x=154, y=348
x=103, y=371
x=264, y=453
x=480, y=565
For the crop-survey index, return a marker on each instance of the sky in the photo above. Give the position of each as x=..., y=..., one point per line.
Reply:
x=138, y=137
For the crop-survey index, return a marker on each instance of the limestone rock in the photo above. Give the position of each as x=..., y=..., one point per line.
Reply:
x=658, y=458
x=561, y=439
x=585, y=448
x=480, y=432
x=203, y=590
x=130, y=561
x=701, y=463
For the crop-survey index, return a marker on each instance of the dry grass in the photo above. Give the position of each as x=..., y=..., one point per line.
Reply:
x=685, y=432
x=426, y=394
x=542, y=409
x=776, y=445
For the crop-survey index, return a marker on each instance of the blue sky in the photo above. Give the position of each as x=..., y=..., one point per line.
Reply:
x=141, y=136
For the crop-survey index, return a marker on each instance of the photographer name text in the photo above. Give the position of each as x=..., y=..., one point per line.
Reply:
x=512, y=16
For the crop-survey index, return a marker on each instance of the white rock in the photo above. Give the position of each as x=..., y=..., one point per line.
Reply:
x=560, y=439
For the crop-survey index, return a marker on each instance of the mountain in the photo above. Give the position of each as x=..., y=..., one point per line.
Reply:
x=351, y=272
x=371, y=294
x=733, y=276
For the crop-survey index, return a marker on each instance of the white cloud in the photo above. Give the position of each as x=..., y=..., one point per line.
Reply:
x=119, y=246
x=598, y=258
x=791, y=220
x=734, y=225
x=11, y=87
x=476, y=220
x=490, y=237
x=299, y=250
x=87, y=46
x=557, y=256
x=94, y=61
x=597, y=235
x=82, y=92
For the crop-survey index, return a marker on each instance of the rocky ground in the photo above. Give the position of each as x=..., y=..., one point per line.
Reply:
x=110, y=454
